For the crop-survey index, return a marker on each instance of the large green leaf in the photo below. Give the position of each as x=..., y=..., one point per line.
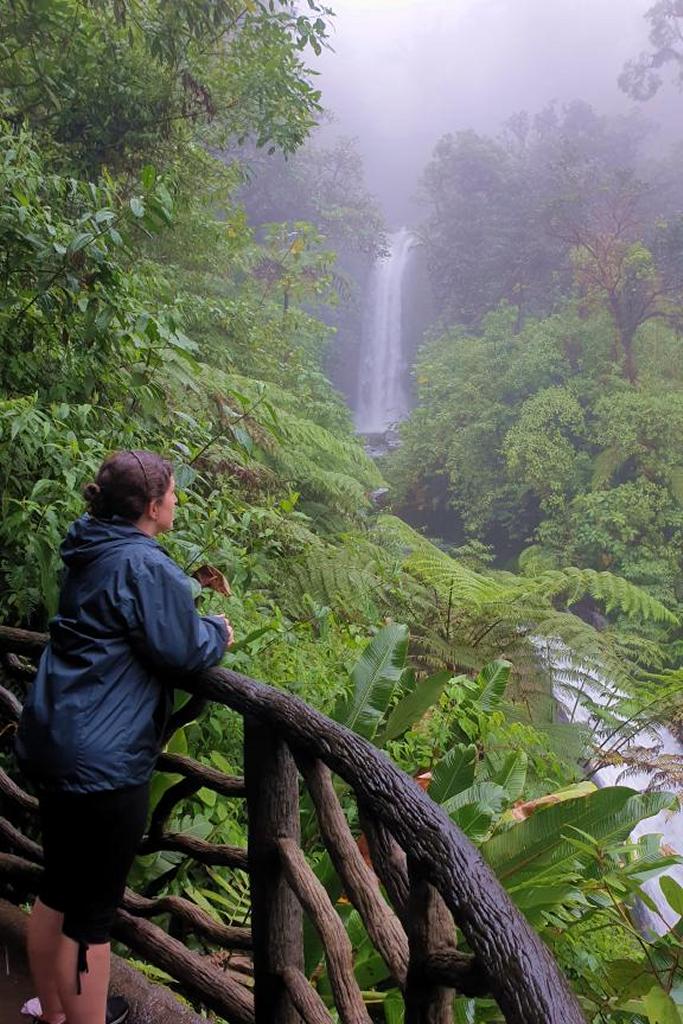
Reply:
x=660, y=1007
x=539, y=847
x=629, y=979
x=413, y=706
x=453, y=773
x=474, y=809
x=673, y=893
x=491, y=683
x=536, y=900
x=394, y=1007
x=509, y=772
x=368, y=965
x=485, y=793
x=374, y=677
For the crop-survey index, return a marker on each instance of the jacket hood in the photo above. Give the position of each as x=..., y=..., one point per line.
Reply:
x=89, y=538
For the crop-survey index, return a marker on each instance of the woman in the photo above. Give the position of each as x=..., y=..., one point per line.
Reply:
x=92, y=725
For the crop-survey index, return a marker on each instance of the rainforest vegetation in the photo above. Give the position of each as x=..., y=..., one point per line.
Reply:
x=182, y=262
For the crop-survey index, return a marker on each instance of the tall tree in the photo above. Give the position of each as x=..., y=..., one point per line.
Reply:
x=491, y=229
x=121, y=82
x=611, y=265
x=641, y=77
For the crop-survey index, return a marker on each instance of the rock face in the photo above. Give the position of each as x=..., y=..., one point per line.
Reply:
x=149, y=1003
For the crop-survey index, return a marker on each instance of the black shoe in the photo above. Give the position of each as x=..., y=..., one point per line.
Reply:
x=117, y=1010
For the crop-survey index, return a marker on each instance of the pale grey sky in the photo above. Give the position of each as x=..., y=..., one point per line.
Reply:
x=404, y=72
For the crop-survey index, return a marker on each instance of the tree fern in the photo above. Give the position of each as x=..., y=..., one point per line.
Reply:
x=300, y=452
x=484, y=615
x=612, y=591
x=332, y=577
x=676, y=483
x=605, y=465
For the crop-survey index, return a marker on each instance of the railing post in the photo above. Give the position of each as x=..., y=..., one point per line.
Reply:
x=430, y=926
x=272, y=784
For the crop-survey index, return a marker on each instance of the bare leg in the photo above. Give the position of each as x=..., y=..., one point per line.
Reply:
x=90, y=1005
x=43, y=939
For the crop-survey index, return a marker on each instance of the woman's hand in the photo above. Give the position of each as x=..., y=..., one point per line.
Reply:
x=231, y=631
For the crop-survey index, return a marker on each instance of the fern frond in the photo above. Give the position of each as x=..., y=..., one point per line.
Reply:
x=612, y=591
x=665, y=770
x=329, y=577
x=311, y=459
x=676, y=483
x=605, y=465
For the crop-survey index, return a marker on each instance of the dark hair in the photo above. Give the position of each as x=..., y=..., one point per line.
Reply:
x=125, y=484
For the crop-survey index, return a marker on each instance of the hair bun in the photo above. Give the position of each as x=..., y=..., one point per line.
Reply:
x=90, y=491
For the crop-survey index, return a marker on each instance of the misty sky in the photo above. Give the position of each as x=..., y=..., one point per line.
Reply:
x=405, y=72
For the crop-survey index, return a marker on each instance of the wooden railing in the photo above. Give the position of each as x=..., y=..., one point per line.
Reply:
x=432, y=878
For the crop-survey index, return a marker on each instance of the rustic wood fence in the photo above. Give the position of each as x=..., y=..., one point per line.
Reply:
x=432, y=878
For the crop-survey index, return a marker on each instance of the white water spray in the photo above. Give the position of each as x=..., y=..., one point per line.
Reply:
x=667, y=823
x=382, y=393
x=383, y=400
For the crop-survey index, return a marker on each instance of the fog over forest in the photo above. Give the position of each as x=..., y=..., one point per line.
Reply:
x=404, y=72
x=413, y=364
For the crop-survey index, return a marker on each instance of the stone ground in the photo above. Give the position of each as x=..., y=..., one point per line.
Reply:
x=15, y=986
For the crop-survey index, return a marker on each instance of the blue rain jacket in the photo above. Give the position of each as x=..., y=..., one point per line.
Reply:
x=96, y=712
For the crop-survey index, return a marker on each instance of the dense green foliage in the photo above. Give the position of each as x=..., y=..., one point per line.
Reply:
x=549, y=404
x=512, y=217
x=324, y=185
x=546, y=434
x=530, y=436
x=150, y=298
x=131, y=81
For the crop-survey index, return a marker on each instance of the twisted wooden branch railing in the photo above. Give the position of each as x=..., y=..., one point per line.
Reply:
x=433, y=877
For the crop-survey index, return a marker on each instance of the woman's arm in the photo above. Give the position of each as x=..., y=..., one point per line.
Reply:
x=166, y=627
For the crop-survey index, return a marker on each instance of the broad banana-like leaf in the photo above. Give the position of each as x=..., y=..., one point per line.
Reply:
x=413, y=706
x=492, y=681
x=474, y=809
x=525, y=809
x=375, y=677
x=509, y=772
x=453, y=773
x=539, y=848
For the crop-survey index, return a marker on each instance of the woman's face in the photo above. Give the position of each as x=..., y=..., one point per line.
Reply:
x=165, y=508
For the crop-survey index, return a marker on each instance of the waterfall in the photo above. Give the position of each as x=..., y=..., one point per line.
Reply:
x=382, y=401
x=382, y=394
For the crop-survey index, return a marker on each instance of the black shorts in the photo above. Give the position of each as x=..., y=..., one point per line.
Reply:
x=90, y=841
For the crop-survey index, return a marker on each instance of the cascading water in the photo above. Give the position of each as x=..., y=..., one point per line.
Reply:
x=660, y=740
x=382, y=392
x=382, y=401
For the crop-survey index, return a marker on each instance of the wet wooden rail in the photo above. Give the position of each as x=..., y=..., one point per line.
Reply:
x=435, y=887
